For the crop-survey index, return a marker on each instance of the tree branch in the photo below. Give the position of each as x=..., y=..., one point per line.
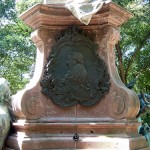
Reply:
x=140, y=71
x=136, y=52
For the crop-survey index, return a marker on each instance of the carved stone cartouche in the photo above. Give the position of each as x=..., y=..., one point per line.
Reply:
x=74, y=73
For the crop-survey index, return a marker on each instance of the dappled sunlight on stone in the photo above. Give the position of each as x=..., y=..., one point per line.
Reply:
x=20, y=138
x=108, y=142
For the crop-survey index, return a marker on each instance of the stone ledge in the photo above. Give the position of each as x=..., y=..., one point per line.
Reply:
x=41, y=15
x=84, y=142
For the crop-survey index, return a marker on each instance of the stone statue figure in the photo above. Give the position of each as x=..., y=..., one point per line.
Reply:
x=145, y=131
x=143, y=98
x=4, y=114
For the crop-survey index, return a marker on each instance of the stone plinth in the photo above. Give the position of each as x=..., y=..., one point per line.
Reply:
x=110, y=123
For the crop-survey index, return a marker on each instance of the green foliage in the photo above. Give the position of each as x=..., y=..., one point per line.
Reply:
x=146, y=118
x=16, y=54
x=135, y=47
x=135, y=44
x=7, y=9
x=23, y=5
x=17, y=51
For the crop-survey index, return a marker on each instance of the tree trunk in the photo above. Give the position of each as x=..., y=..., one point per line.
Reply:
x=120, y=61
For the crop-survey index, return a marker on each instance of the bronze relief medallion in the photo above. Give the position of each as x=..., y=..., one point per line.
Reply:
x=74, y=73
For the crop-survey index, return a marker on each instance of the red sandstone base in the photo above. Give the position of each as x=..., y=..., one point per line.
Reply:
x=102, y=136
x=108, y=125
x=85, y=142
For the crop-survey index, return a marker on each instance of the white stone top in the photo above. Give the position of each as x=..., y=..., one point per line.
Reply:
x=54, y=1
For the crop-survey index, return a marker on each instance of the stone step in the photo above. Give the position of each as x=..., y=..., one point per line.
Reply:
x=57, y=142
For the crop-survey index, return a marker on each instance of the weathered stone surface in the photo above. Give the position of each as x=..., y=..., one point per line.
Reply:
x=119, y=103
x=47, y=15
x=91, y=136
x=4, y=124
x=46, y=125
x=4, y=114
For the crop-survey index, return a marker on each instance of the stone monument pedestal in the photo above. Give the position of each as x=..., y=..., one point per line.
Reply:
x=103, y=120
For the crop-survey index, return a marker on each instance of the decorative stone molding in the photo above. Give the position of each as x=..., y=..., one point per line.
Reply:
x=49, y=15
x=123, y=103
